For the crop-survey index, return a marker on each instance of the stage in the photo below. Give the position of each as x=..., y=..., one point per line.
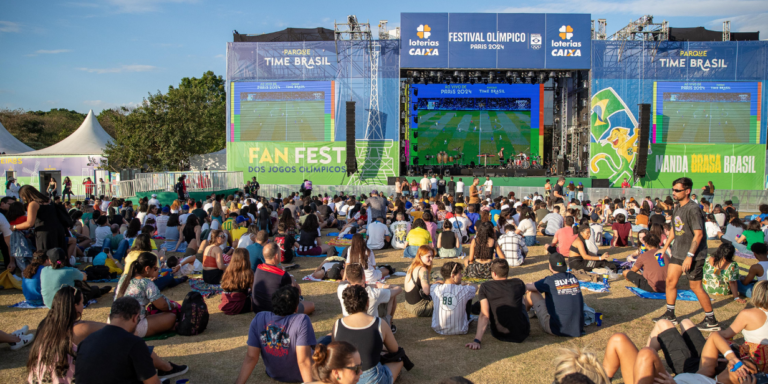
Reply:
x=509, y=181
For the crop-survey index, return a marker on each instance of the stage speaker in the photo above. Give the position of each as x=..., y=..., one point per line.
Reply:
x=644, y=118
x=351, y=158
x=601, y=183
x=478, y=172
x=561, y=164
x=536, y=172
x=415, y=134
x=414, y=106
x=465, y=172
x=492, y=173
x=415, y=91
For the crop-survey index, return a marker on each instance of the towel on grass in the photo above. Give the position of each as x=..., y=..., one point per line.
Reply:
x=682, y=295
x=594, y=287
x=26, y=305
x=169, y=245
x=203, y=288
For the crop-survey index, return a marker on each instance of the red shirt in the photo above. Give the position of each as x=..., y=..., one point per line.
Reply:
x=19, y=220
x=623, y=233
x=625, y=185
x=565, y=237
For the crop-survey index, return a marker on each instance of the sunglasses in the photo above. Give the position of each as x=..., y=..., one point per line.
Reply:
x=222, y=237
x=678, y=190
x=357, y=368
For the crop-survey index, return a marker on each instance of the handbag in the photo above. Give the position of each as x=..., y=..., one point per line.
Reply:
x=20, y=249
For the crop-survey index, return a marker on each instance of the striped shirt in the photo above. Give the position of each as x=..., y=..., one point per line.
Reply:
x=512, y=244
x=450, y=314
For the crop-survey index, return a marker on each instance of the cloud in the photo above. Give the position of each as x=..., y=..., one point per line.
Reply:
x=9, y=26
x=141, y=6
x=744, y=23
x=660, y=8
x=120, y=69
x=49, y=52
x=219, y=56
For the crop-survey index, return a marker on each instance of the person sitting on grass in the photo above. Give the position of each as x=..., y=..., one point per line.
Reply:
x=368, y=335
x=482, y=250
x=753, y=234
x=453, y=300
x=564, y=237
x=551, y=222
x=284, y=336
x=236, y=283
x=114, y=354
x=712, y=228
x=268, y=279
x=582, y=258
x=58, y=274
x=378, y=235
x=653, y=277
x=447, y=244
x=417, y=298
x=358, y=253
x=213, y=260
x=399, y=230
x=308, y=237
x=31, y=280
x=512, y=245
x=501, y=304
x=337, y=363
x=622, y=232
x=757, y=272
x=139, y=285
x=417, y=237
x=382, y=297
x=256, y=250
x=721, y=273
x=561, y=311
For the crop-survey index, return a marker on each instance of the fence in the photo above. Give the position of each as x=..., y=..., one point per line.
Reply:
x=165, y=182
x=743, y=200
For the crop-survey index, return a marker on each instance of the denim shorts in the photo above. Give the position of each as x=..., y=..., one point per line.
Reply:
x=380, y=374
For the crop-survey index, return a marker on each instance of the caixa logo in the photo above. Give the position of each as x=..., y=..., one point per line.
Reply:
x=566, y=47
x=423, y=31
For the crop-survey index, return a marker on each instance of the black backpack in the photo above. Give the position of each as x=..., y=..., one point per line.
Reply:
x=97, y=272
x=193, y=318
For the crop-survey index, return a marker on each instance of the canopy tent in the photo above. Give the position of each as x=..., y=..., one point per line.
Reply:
x=89, y=139
x=11, y=145
x=215, y=161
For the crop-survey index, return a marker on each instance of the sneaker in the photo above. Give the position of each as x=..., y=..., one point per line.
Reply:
x=25, y=340
x=21, y=332
x=668, y=315
x=176, y=370
x=473, y=318
x=709, y=324
x=394, y=328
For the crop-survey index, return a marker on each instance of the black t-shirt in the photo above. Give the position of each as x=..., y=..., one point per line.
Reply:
x=448, y=240
x=307, y=238
x=559, y=189
x=451, y=186
x=441, y=184
x=509, y=319
x=266, y=281
x=113, y=355
x=200, y=213
x=656, y=218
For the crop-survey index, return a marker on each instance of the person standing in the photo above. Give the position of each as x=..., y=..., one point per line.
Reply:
x=547, y=189
x=425, y=185
x=398, y=188
x=708, y=192
x=459, y=190
x=179, y=188
x=441, y=186
x=307, y=188
x=624, y=186
x=451, y=188
x=689, y=253
x=474, y=194
x=557, y=194
x=67, y=189
x=488, y=185
x=433, y=186
x=580, y=192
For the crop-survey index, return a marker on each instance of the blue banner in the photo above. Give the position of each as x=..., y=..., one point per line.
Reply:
x=495, y=40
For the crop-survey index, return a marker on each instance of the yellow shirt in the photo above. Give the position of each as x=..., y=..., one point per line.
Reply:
x=417, y=214
x=418, y=237
x=238, y=233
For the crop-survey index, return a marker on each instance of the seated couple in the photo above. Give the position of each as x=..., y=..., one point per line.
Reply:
x=578, y=243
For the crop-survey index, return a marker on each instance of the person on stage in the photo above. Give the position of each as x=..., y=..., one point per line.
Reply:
x=501, y=156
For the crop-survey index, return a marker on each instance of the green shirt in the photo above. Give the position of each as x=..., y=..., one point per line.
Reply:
x=753, y=237
x=52, y=279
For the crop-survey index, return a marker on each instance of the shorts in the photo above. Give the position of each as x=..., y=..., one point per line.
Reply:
x=141, y=329
x=421, y=309
x=540, y=308
x=682, y=352
x=446, y=253
x=479, y=271
x=213, y=276
x=309, y=251
x=380, y=374
x=696, y=273
x=640, y=281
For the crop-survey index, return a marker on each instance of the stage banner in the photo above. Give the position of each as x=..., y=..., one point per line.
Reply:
x=495, y=40
x=322, y=162
x=30, y=166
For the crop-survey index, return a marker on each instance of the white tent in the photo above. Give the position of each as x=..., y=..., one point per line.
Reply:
x=89, y=139
x=11, y=145
x=216, y=161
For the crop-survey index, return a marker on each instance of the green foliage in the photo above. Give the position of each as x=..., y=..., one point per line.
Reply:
x=39, y=129
x=167, y=129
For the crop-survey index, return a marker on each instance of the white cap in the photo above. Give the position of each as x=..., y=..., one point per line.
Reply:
x=505, y=206
x=518, y=204
x=154, y=195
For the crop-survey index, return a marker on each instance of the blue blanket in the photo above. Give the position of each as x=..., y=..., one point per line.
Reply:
x=115, y=280
x=169, y=245
x=682, y=295
x=594, y=287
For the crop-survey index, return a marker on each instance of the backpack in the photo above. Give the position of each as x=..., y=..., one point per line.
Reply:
x=193, y=318
x=97, y=272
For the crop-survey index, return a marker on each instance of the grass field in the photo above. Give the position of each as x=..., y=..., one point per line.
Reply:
x=215, y=355
x=282, y=120
x=700, y=122
x=474, y=132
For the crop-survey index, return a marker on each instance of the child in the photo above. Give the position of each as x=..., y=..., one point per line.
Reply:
x=757, y=272
x=641, y=248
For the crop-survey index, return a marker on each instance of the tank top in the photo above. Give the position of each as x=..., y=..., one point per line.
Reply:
x=415, y=295
x=448, y=240
x=763, y=264
x=368, y=340
x=757, y=336
x=171, y=233
x=209, y=261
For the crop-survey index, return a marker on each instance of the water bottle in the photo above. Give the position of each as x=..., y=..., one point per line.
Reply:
x=660, y=259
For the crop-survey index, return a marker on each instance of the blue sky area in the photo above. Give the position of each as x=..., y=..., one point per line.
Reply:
x=85, y=55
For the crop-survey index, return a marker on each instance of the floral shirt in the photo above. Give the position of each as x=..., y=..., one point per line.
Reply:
x=716, y=281
x=144, y=291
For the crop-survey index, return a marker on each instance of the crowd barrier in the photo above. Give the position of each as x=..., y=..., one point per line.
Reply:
x=743, y=200
x=165, y=182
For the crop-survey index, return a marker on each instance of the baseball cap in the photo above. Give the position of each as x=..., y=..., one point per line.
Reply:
x=505, y=206
x=166, y=209
x=557, y=262
x=154, y=195
x=241, y=219
x=185, y=207
x=56, y=255
x=595, y=217
x=374, y=192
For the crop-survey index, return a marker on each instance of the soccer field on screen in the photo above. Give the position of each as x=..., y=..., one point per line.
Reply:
x=706, y=122
x=473, y=132
x=282, y=120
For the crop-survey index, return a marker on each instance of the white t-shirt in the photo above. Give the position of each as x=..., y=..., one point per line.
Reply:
x=434, y=182
x=372, y=275
x=207, y=206
x=450, y=314
x=5, y=226
x=712, y=229
x=376, y=297
x=425, y=184
x=244, y=241
x=162, y=224
x=141, y=216
x=460, y=226
x=527, y=227
x=101, y=234
x=151, y=202
x=460, y=187
x=488, y=186
x=376, y=232
x=105, y=204
x=183, y=218
x=399, y=230
x=554, y=222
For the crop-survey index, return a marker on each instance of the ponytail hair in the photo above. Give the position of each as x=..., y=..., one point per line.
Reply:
x=145, y=259
x=334, y=356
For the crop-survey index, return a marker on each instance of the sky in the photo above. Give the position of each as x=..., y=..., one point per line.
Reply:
x=100, y=54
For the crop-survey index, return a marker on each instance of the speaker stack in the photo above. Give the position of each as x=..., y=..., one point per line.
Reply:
x=644, y=128
x=351, y=158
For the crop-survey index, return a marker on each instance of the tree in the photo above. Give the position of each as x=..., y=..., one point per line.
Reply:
x=167, y=129
x=39, y=129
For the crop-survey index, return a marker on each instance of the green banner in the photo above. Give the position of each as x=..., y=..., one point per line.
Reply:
x=324, y=163
x=728, y=166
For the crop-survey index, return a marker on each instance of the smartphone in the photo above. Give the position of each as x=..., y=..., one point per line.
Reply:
x=761, y=378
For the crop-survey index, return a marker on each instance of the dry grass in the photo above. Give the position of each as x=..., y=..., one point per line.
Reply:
x=216, y=355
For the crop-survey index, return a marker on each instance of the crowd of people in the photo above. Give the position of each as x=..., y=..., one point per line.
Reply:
x=246, y=244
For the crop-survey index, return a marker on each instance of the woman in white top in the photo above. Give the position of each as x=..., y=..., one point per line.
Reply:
x=359, y=253
x=527, y=227
x=12, y=188
x=713, y=230
x=753, y=325
x=102, y=231
x=143, y=210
